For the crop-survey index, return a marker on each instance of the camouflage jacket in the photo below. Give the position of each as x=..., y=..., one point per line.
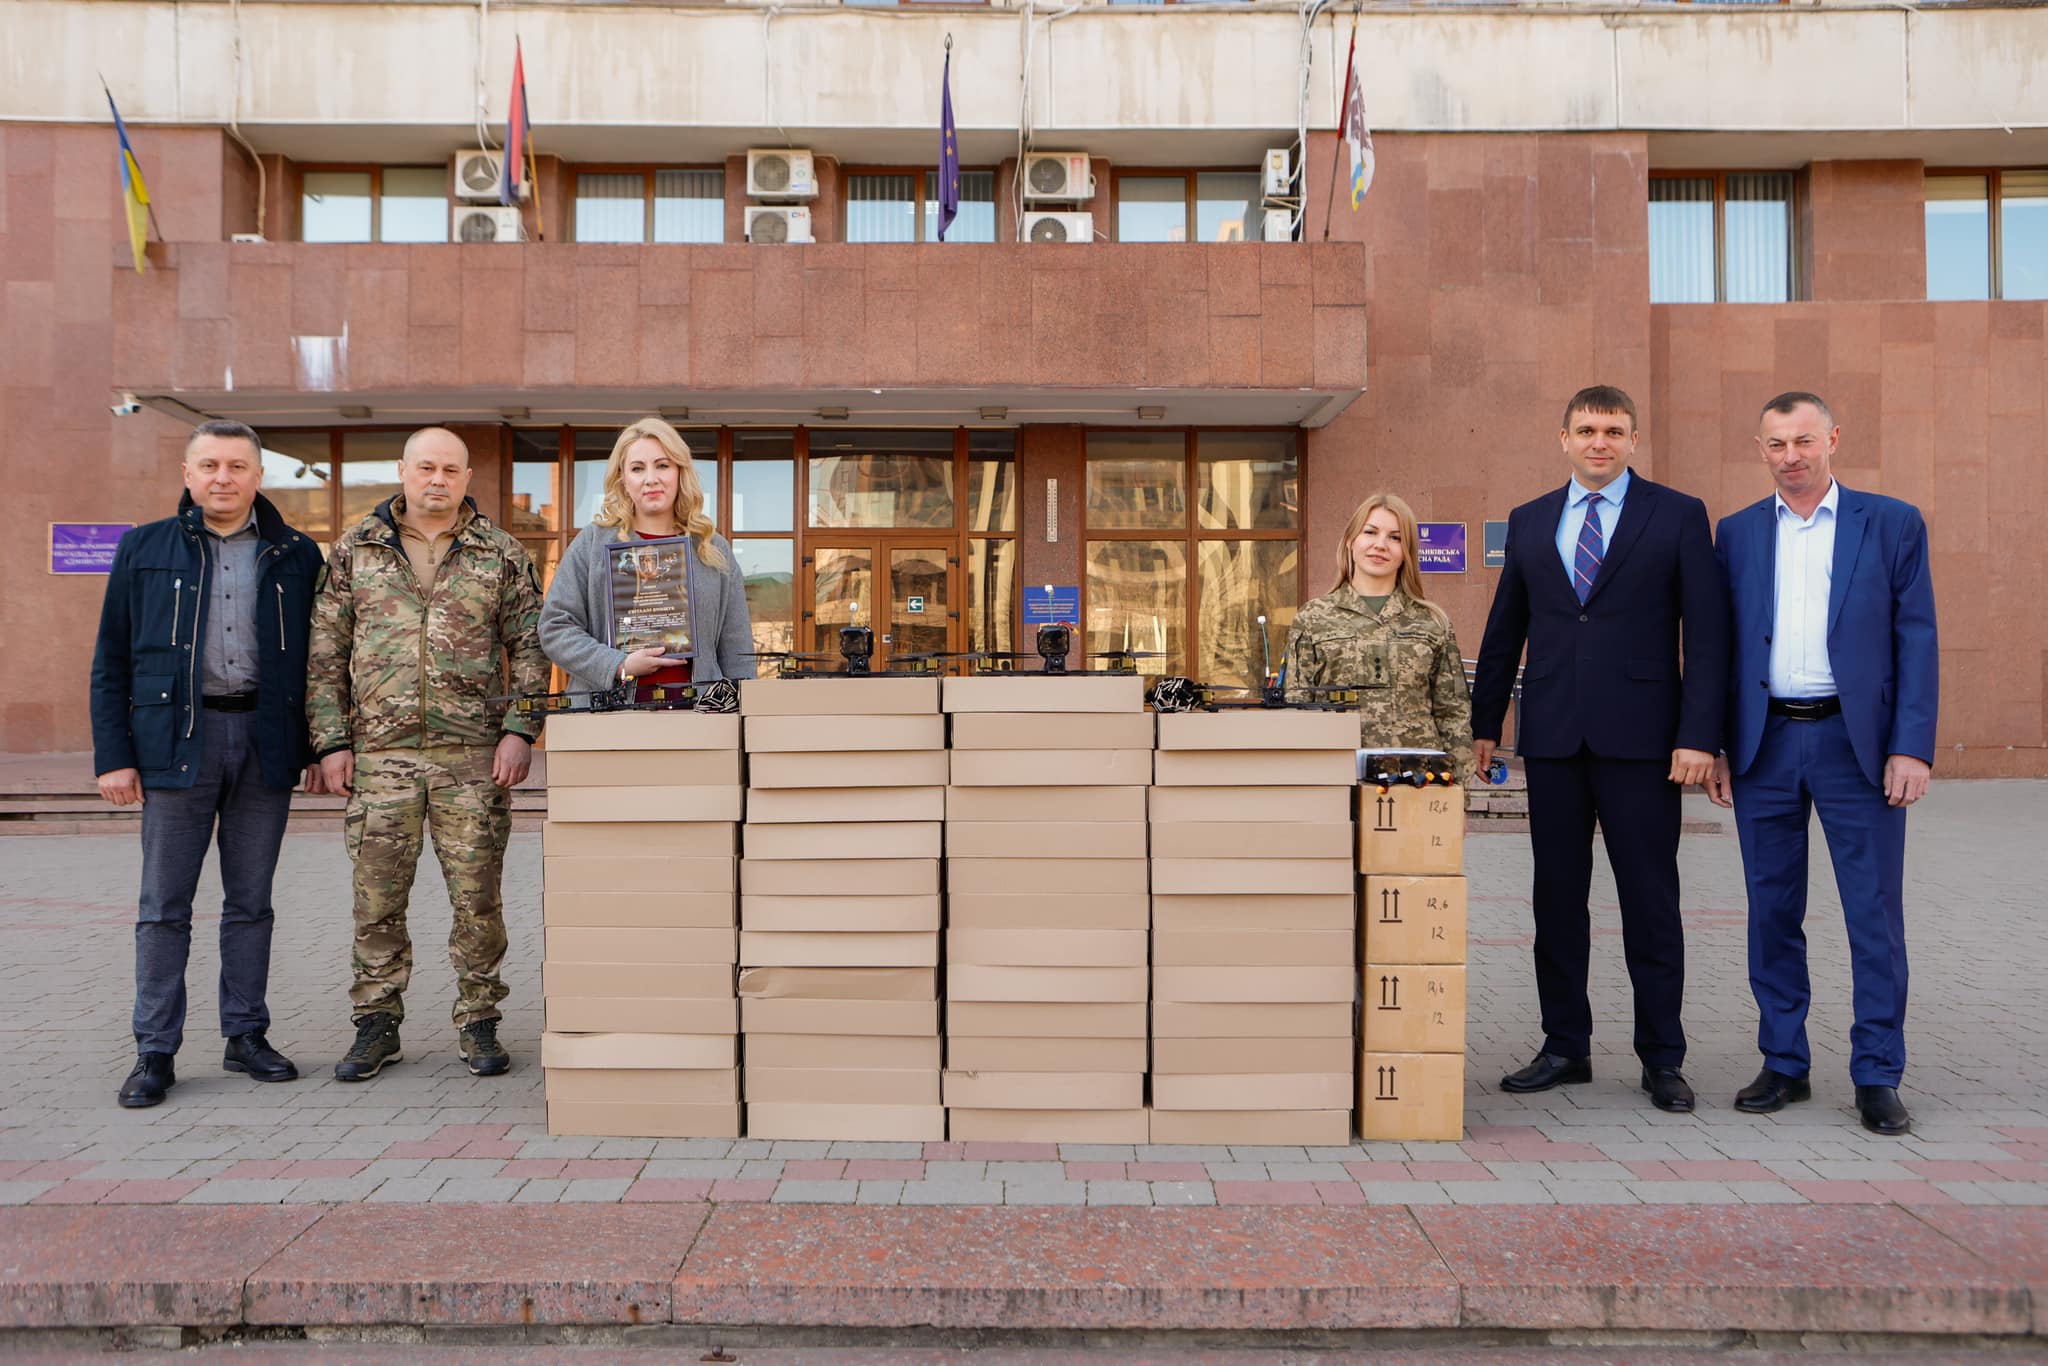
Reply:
x=1404, y=661
x=397, y=664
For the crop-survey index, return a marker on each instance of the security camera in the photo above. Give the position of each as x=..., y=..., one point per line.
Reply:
x=127, y=407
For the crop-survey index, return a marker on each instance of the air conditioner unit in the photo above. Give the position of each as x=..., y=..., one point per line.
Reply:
x=781, y=173
x=478, y=173
x=1059, y=227
x=1279, y=226
x=1058, y=175
x=787, y=223
x=476, y=223
x=1279, y=177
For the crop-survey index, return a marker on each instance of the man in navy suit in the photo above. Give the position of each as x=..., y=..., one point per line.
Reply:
x=1601, y=578
x=1831, y=705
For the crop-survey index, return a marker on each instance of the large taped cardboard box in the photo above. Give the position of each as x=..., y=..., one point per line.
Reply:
x=1053, y=839
x=1412, y=1097
x=1290, y=1128
x=857, y=839
x=1053, y=803
x=617, y=873
x=1251, y=911
x=815, y=805
x=1052, y=730
x=693, y=1086
x=1332, y=1054
x=981, y=982
x=825, y=734
x=1258, y=729
x=840, y=877
x=638, y=768
x=1047, y=1019
x=643, y=1014
x=843, y=1086
x=1052, y=1055
x=1414, y=1008
x=1252, y=1091
x=636, y=979
x=1050, y=767
x=660, y=805
x=879, y=768
x=640, y=1119
x=565, y=944
x=1047, y=948
x=1047, y=875
x=853, y=948
x=1048, y=910
x=890, y=1052
x=1252, y=840
x=1046, y=1090
x=1411, y=830
x=1044, y=693
x=842, y=984
x=1254, y=948
x=639, y=839
x=1274, y=985
x=826, y=1015
x=1048, y=1126
x=828, y=914
x=1414, y=919
x=847, y=1123
x=640, y=910
x=872, y=695
x=618, y=1052
x=1251, y=876
x=1251, y=1019
x=1259, y=806
x=573, y=732
x=1254, y=767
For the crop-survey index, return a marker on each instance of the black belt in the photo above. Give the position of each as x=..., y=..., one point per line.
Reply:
x=239, y=701
x=1806, y=708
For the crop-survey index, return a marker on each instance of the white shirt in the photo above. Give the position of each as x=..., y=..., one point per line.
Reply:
x=1805, y=576
x=1574, y=519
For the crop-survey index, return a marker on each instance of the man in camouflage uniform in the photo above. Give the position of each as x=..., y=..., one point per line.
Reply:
x=420, y=606
x=1402, y=658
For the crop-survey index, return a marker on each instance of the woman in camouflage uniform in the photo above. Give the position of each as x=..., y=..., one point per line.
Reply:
x=1375, y=631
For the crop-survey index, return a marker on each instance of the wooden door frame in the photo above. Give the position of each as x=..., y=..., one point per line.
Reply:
x=879, y=543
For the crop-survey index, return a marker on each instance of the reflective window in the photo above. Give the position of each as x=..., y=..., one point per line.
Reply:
x=611, y=207
x=593, y=453
x=1240, y=581
x=1137, y=480
x=881, y=208
x=976, y=220
x=412, y=204
x=1247, y=479
x=1138, y=600
x=763, y=481
x=2023, y=235
x=1227, y=206
x=298, y=478
x=881, y=479
x=1756, y=237
x=369, y=472
x=1151, y=208
x=689, y=206
x=768, y=570
x=1721, y=236
x=535, y=503
x=991, y=481
x=1973, y=253
x=334, y=206
x=991, y=594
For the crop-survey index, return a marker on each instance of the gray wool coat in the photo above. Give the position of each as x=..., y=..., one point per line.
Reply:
x=572, y=619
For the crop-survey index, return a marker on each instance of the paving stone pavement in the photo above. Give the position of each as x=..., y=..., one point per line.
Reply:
x=428, y=1131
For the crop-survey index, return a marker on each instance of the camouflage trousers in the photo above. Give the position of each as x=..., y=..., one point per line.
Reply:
x=400, y=795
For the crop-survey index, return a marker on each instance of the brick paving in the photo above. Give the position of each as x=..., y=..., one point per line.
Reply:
x=426, y=1131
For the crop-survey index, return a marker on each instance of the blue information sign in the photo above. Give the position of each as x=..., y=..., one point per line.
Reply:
x=1049, y=604
x=1440, y=548
x=84, y=547
x=1496, y=545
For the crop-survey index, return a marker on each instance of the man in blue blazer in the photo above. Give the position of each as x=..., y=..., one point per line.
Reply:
x=1602, y=577
x=1831, y=705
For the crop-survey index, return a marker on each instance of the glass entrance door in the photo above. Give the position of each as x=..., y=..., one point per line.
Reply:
x=902, y=588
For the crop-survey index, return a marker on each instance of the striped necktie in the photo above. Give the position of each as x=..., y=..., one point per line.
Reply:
x=1586, y=563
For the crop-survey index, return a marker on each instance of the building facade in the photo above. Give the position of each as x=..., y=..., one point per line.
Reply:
x=1157, y=427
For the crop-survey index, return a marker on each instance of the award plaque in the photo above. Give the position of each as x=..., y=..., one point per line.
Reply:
x=652, y=594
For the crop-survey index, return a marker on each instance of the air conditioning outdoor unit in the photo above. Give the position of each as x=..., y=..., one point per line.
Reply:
x=477, y=174
x=1279, y=176
x=787, y=223
x=476, y=223
x=1058, y=175
x=1059, y=227
x=1279, y=226
x=781, y=173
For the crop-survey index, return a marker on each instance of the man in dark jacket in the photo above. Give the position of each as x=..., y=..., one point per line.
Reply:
x=198, y=714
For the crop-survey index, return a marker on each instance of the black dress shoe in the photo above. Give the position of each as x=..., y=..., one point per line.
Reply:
x=253, y=1054
x=1772, y=1092
x=1547, y=1070
x=1668, y=1090
x=146, y=1085
x=1882, y=1110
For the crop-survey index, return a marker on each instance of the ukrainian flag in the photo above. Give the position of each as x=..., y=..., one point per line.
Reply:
x=134, y=193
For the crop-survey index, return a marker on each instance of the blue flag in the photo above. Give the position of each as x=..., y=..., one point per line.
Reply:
x=949, y=153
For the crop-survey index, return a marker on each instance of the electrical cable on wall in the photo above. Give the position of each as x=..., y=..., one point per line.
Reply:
x=235, y=120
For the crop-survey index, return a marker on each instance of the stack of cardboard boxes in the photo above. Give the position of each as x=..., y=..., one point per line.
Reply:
x=1411, y=1073
x=1254, y=942
x=638, y=896
x=839, y=908
x=1046, y=896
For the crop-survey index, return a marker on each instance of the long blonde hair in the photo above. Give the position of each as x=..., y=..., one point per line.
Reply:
x=690, y=518
x=1409, y=577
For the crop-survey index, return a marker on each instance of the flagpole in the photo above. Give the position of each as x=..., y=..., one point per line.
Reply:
x=1343, y=103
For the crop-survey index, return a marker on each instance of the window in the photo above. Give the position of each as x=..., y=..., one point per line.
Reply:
x=903, y=206
x=1974, y=253
x=374, y=204
x=648, y=204
x=990, y=513
x=1157, y=206
x=1722, y=237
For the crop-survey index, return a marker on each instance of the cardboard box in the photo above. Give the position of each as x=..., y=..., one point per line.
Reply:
x=882, y=949
x=1242, y=911
x=1417, y=1008
x=1254, y=948
x=643, y=1014
x=1212, y=1056
x=581, y=944
x=877, y=768
x=1049, y=1126
x=708, y=980
x=1252, y=840
x=841, y=984
x=640, y=839
x=1290, y=1128
x=643, y=768
x=892, y=1052
x=1254, y=728
x=1412, y=1097
x=1254, y=767
x=979, y=982
x=1048, y=910
x=636, y=910
x=845, y=839
x=1026, y=692
x=870, y=695
x=637, y=1052
x=811, y=805
x=825, y=1015
x=1051, y=730
x=1415, y=830
x=575, y=732
x=1414, y=919
x=847, y=1123
x=1055, y=1055
x=658, y=805
x=1051, y=767
x=1251, y=1019
x=697, y=1086
x=843, y=1086
x=1266, y=985
x=602, y=1119
x=1056, y=803
x=825, y=734
x=614, y=873
x=1044, y=1020
x=1047, y=875
x=1048, y=1090
x=1252, y=1091
x=1259, y=806
x=1047, y=948
x=1251, y=876
x=827, y=914
x=840, y=877
x=1056, y=839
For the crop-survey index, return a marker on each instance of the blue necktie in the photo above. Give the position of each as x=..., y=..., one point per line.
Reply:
x=1586, y=563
